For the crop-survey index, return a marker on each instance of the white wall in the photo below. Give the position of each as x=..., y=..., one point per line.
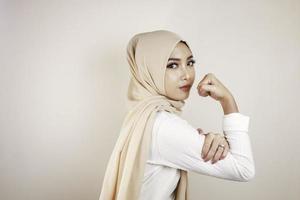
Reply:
x=63, y=85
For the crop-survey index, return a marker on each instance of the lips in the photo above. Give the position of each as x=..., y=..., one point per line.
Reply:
x=185, y=86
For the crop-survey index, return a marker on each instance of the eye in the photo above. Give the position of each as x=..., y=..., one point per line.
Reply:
x=192, y=61
x=171, y=65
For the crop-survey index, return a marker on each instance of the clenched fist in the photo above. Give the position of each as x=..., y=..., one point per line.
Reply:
x=211, y=86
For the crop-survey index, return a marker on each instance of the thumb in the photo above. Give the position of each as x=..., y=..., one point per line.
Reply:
x=200, y=131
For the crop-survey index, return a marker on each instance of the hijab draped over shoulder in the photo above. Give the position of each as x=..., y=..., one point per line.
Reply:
x=147, y=55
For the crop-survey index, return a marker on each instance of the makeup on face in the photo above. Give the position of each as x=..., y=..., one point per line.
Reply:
x=189, y=60
x=180, y=73
x=186, y=88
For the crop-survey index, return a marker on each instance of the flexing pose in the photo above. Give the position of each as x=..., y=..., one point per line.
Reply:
x=156, y=147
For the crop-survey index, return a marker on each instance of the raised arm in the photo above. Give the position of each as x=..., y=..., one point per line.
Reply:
x=180, y=145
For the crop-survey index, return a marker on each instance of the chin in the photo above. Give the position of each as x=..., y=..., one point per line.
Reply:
x=180, y=98
x=185, y=97
x=178, y=95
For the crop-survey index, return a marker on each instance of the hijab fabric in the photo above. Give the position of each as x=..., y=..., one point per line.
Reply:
x=147, y=55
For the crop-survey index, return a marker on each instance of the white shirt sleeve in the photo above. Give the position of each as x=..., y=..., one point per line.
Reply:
x=180, y=145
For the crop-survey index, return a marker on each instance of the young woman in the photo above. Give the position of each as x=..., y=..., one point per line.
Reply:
x=156, y=147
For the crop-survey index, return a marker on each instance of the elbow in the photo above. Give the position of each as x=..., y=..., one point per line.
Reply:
x=248, y=174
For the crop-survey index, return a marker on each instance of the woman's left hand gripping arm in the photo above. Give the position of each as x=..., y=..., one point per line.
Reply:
x=210, y=148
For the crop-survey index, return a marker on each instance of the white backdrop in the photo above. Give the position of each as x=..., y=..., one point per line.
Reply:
x=64, y=78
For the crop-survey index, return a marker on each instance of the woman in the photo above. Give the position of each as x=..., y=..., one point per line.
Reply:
x=156, y=147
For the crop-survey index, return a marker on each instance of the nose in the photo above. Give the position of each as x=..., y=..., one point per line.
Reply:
x=185, y=74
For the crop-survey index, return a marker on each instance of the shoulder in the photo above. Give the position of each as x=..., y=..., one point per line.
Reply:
x=168, y=124
x=165, y=116
x=175, y=137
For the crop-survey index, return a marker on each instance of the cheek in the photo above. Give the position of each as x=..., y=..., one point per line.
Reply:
x=173, y=75
x=193, y=74
x=173, y=78
x=171, y=81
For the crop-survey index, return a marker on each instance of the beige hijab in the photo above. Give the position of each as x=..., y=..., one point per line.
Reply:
x=147, y=54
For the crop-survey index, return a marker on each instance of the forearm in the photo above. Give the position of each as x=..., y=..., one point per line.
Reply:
x=229, y=105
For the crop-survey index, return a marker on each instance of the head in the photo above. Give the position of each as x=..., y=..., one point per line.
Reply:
x=160, y=63
x=179, y=72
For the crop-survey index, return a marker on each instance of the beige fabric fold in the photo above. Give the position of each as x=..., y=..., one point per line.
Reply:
x=147, y=55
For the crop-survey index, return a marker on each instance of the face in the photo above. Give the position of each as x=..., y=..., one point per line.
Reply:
x=179, y=72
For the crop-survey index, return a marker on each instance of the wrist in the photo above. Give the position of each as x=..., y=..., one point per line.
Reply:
x=229, y=105
x=226, y=98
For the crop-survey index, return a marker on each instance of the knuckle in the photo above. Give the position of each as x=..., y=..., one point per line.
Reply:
x=210, y=136
x=219, y=136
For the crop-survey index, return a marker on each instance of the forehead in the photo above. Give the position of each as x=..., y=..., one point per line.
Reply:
x=181, y=50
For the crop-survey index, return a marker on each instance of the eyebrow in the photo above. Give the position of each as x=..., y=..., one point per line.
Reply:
x=178, y=59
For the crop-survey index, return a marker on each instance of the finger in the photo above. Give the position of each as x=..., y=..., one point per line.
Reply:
x=207, y=79
x=226, y=150
x=207, y=143
x=219, y=151
x=205, y=89
x=202, y=92
x=225, y=153
x=200, y=131
x=217, y=156
x=213, y=148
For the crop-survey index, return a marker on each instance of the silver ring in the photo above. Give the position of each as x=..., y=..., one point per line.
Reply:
x=221, y=145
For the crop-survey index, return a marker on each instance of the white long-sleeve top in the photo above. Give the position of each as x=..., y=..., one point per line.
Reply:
x=177, y=145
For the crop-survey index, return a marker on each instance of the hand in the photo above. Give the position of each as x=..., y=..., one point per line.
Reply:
x=210, y=147
x=211, y=86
